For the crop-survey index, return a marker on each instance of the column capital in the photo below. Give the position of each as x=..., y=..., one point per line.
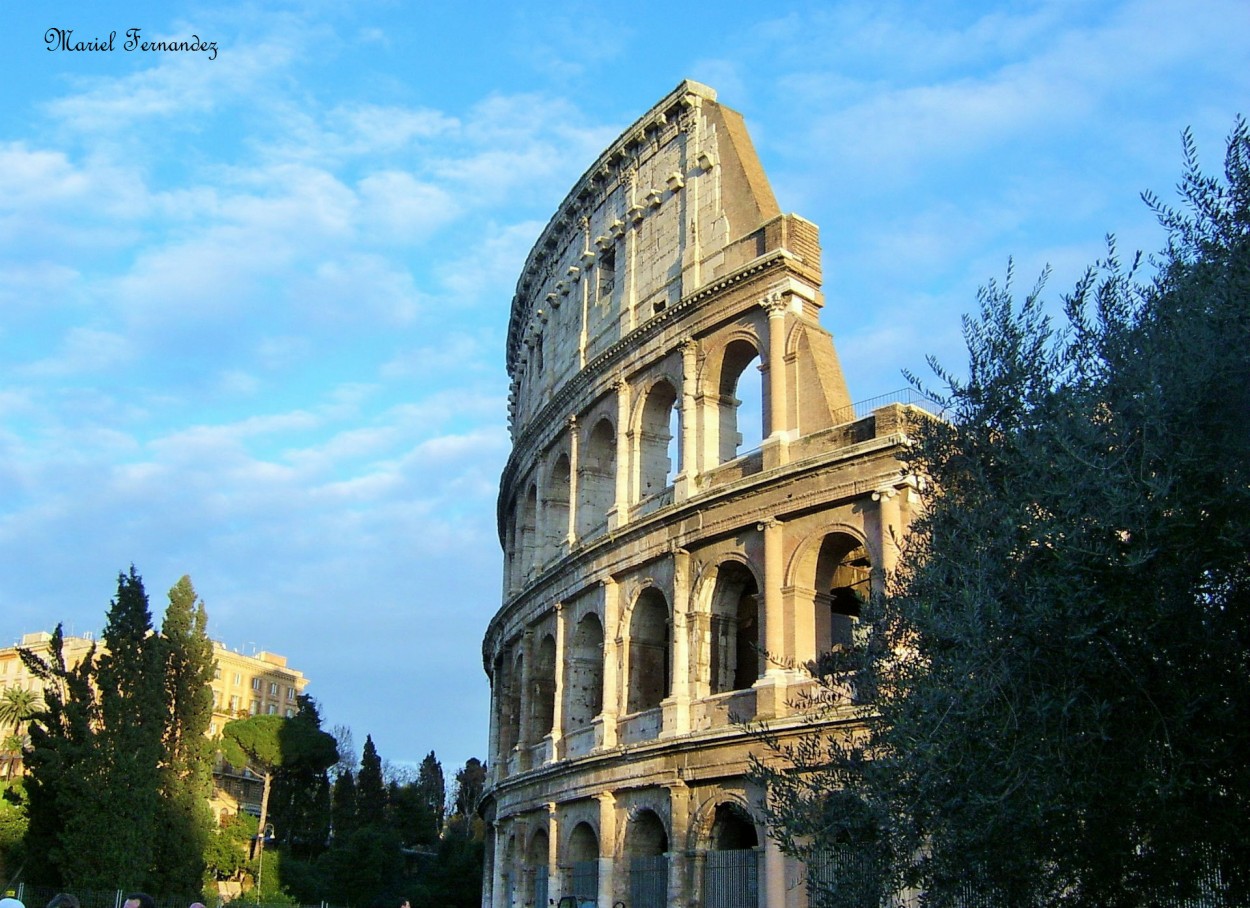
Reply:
x=768, y=523
x=775, y=302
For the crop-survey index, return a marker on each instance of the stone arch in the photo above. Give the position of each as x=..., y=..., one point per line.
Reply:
x=656, y=464
x=583, y=669
x=833, y=570
x=537, y=857
x=582, y=861
x=505, y=702
x=650, y=664
x=543, y=688
x=730, y=844
x=733, y=607
x=645, y=850
x=527, y=531
x=596, y=478
x=556, y=505
x=738, y=417
x=645, y=834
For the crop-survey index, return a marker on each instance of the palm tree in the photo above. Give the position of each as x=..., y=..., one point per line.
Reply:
x=16, y=708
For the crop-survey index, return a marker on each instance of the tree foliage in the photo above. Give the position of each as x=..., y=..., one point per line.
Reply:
x=185, y=823
x=1057, y=677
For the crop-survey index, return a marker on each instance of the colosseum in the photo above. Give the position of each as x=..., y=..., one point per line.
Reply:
x=692, y=512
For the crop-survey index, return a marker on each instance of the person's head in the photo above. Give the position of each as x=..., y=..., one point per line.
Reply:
x=10, y=903
x=140, y=900
x=403, y=903
x=197, y=905
x=64, y=900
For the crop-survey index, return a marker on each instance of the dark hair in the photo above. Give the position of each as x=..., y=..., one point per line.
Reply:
x=144, y=900
x=64, y=900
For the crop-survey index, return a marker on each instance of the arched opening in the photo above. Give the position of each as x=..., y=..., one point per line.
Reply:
x=741, y=408
x=505, y=704
x=735, y=656
x=536, y=858
x=648, y=651
x=583, y=867
x=731, y=867
x=584, y=674
x=512, y=566
x=596, y=480
x=656, y=467
x=556, y=517
x=543, y=693
x=529, y=532
x=843, y=580
x=516, y=698
x=646, y=844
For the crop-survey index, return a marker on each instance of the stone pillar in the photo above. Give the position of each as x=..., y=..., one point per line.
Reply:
x=524, y=734
x=678, y=855
x=492, y=744
x=573, y=481
x=633, y=217
x=607, y=847
x=772, y=893
x=677, y=720
x=554, y=882
x=557, y=707
x=683, y=484
x=771, y=687
x=687, y=185
x=498, y=889
x=619, y=512
x=891, y=528
x=611, y=661
x=584, y=335
x=778, y=430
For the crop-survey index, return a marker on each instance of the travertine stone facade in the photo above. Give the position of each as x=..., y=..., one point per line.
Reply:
x=666, y=318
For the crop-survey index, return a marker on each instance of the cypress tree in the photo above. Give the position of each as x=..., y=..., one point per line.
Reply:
x=185, y=821
x=370, y=789
x=111, y=845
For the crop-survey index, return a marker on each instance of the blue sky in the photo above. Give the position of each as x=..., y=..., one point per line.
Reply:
x=252, y=309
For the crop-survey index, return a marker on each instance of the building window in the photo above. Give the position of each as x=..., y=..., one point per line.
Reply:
x=273, y=688
x=273, y=708
x=212, y=728
x=255, y=707
x=290, y=695
x=234, y=703
x=290, y=714
x=256, y=684
x=238, y=678
x=216, y=672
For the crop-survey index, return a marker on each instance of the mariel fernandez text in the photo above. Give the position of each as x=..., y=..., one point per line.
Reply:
x=63, y=39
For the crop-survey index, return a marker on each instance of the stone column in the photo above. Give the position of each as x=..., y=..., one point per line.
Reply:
x=776, y=304
x=679, y=820
x=677, y=721
x=557, y=707
x=773, y=893
x=774, y=449
x=633, y=217
x=683, y=484
x=498, y=889
x=611, y=661
x=554, y=882
x=607, y=847
x=619, y=513
x=524, y=734
x=771, y=688
x=573, y=481
x=891, y=529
